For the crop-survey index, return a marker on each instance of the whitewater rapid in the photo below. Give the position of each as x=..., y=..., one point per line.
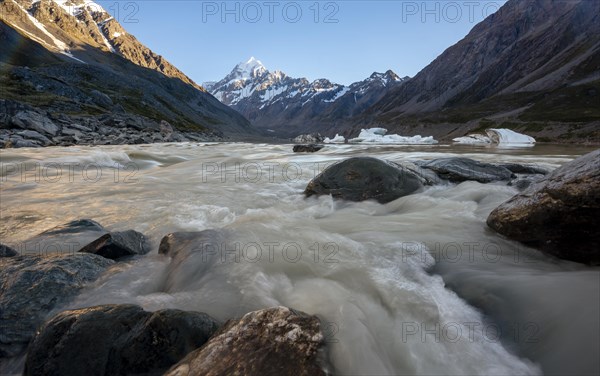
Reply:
x=417, y=286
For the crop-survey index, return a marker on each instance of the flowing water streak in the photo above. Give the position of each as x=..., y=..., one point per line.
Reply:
x=377, y=275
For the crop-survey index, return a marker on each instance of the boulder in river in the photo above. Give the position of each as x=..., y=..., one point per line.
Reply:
x=116, y=245
x=559, y=214
x=310, y=148
x=32, y=286
x=311, y=138
x=6, y=251
x=274, y=341
x=464, y=169
x=116, y=340
x=365, y=178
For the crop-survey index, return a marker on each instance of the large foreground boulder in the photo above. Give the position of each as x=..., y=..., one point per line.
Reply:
x=464, y=169
x=275, y=341
x=559, y=214
x=116, y=340
x=365, y=178
x=32, y=286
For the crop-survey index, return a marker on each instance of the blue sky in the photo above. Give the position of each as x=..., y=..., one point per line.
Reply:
x=344, y=41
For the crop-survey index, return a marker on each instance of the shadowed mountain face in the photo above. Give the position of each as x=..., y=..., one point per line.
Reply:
x=290, y=106
x=533, y=65
x=71, y=58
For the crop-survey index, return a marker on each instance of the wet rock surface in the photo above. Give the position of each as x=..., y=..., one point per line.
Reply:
x=116, y=340
x=365, y=178
x=66, y=238
x=192, y=254
x=116, y=245
x=6, y=251
x=32, y=286
x=559, y=214
x=311, y=148
x=275, y=341
x=465, y=169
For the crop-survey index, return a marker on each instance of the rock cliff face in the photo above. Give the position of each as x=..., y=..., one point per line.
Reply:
x=70, y=58
x=68, y=25
x=531, y=65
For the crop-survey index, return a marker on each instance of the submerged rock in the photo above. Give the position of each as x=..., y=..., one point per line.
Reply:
x=559, y=214
x=525, y=169
x=275, y=341
x=465, y=169
x=67, y=238
x=116, y=245
x=192, y=254
x=116, y=340
x=32, y=286
x=365, y=178
x=311, y=148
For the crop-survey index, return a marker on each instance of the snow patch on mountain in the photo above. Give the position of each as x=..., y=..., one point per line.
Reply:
x=57, y=43
x=339, y=94
x=272, y=92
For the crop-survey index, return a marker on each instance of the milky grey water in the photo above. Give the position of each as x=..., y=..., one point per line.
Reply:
x=417, y=286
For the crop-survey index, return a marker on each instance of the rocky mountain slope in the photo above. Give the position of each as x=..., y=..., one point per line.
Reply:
x=70, y=63
x=533, y=66
x=288, y=106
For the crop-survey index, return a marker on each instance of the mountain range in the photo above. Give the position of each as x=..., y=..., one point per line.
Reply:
x=70, y=62
x=286, y=106
x=533, y=66
x=70, y=73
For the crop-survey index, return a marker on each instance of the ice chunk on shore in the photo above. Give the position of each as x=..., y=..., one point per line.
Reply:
x=379, y=131
x=496, y=136
x=336, y=140
x=473, y=139
x=378, y=136
x=507, y=136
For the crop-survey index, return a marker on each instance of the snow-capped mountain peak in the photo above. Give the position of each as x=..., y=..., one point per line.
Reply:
x=250, y=69
x=75, y=7
x=271, y=99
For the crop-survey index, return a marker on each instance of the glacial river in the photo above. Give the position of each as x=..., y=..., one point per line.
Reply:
x=417, y=286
